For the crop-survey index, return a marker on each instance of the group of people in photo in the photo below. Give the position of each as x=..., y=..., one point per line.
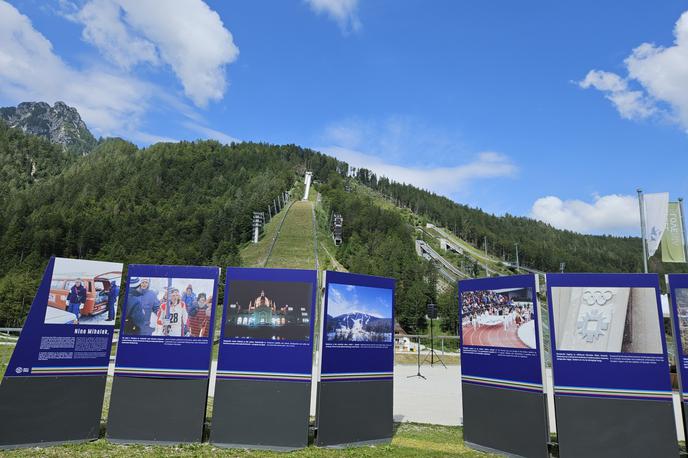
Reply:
x=490, y=308
x=169, y=312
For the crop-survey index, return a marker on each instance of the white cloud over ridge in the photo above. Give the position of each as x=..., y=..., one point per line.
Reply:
x=425, y=151
x=440, y=180
x=113, y=101
x=343, y=12
x=211, y=134
x=660, y=75
x=610, y=214
x=31, y=71
x=185, y=34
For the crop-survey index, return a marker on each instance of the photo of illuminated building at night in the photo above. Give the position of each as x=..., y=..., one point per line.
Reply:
x=268, y=310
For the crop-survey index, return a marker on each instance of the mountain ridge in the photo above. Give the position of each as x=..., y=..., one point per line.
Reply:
x=192, y=203
x=60, y=124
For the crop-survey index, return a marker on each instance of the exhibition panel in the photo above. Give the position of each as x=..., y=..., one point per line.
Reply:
x=502, y=366
x=163, y=358
x=355, y=390
x=612, y=388
x=265, y=359
x=678, y=291
x=53, y=387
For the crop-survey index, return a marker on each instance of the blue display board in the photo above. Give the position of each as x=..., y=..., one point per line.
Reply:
x=500, y=333
x=678, y=290
x=357, y=331
x=607, y=336
x=267, y=325
x=69, y=328
x=157, y=340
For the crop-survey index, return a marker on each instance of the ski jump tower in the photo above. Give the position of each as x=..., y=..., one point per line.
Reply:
x=309, y=178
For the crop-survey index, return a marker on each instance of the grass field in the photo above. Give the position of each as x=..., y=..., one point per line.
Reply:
x=253, y=255
x=294, y=248
x=410, y=440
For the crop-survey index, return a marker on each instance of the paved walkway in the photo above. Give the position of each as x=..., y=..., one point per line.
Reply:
x=435, y=399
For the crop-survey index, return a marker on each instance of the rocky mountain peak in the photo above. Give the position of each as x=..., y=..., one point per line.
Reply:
x=60, y=124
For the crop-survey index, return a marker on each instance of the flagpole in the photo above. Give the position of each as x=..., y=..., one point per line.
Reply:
x=641, y=202
x=683, y=226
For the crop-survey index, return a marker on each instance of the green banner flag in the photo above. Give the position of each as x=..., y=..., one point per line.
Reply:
x=673, y=249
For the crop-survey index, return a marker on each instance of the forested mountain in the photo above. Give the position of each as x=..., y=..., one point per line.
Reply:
x=540, y=245
x=378, y=241
x=183, y=203
x=192, y=203
x=27, y=159
x=60, y=124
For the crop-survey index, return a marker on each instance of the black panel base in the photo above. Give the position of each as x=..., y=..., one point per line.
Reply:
x=261, y=414
x=602, y=427
x=157, y=410
x=42, y=411
x=355, y=413
x=684, y=409
x=505, y=421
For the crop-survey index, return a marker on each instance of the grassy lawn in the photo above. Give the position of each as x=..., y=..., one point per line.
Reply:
x=253, y=255
x=412, y=359
x=5, y=354
x=410, y=440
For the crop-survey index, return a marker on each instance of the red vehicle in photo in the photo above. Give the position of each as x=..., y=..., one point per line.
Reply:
x=97, y=290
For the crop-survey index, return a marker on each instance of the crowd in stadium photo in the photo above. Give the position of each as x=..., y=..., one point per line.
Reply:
x=502, y=318
x=490, y=308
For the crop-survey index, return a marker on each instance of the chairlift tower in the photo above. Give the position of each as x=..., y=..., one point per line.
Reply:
x=258, y=220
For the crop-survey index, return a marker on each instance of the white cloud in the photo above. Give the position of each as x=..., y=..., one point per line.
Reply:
x=30, y=70
x=610, y=214
x=105, y=28
x=630, y=104
x=111, y=102
x=344, y=12
x=661, y=74
x=185, y=34
x=424, y=150
x=211, y=134
x=441, y=180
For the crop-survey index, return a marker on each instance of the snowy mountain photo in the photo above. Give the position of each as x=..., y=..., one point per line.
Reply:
x=359, y=314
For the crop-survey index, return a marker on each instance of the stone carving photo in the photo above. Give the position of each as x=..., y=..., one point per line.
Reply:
x=607, y=319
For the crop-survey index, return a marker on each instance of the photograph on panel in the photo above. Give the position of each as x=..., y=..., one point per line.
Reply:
x=359, y=313
x=682, y=308
x=622, y=320
x=498, y=318
x=83, y=292
x=268, y=310
x=169, y=307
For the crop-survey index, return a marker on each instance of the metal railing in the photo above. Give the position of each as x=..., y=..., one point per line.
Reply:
x=444, y=345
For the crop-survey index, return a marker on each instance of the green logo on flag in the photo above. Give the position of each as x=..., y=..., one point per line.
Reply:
x=673, y=249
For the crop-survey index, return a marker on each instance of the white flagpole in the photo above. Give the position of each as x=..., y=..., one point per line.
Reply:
x=683, y=226
x=641, y=202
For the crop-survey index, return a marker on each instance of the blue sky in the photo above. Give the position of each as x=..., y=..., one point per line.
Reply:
x=342, y=299
x=555, y=110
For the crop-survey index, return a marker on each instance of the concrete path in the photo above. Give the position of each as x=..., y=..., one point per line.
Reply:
x=435, y=399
